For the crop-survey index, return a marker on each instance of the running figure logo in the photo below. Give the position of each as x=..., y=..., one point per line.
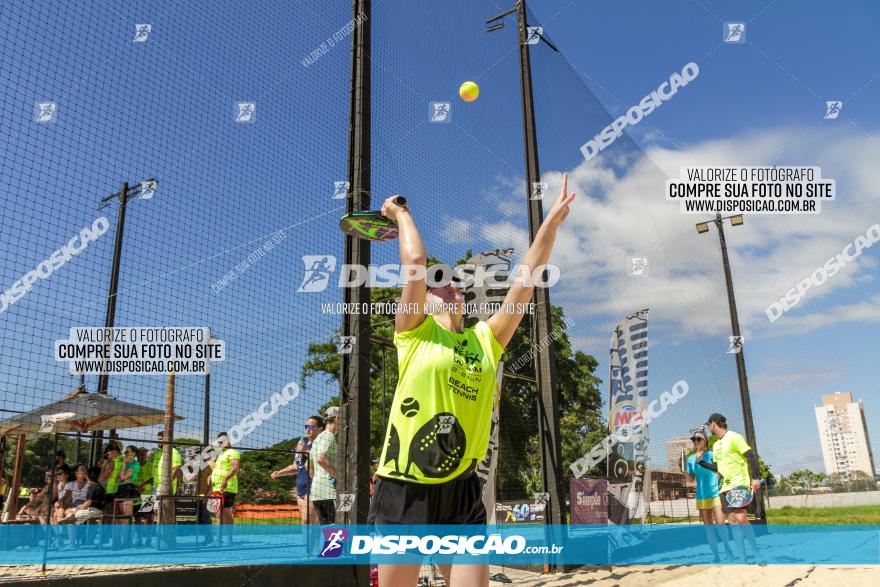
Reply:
x=346, y=500
x=440, y=111
x=148, y=188
x=346, y=345
x=446, y=423
x=638, y=266
x=245, y=111
x=539, y=188
x=736, y=345
x=832, y=109
x=317, y=273
x=340, y=190
x=533, y=34
x=734, y=32
x=46, y=112
x=334, y=539
x=141, y=32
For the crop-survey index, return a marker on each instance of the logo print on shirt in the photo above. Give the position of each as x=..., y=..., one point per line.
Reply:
x=446, y=423
x=438, y=447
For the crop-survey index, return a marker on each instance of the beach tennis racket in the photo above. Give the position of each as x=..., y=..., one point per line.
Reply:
x=371, y=224
x=215, y=503
x=739, y=497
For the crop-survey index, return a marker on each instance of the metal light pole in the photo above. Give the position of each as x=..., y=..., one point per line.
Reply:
x=206, y=425
x=703, y=228
x=548, y=406
x=124, y=194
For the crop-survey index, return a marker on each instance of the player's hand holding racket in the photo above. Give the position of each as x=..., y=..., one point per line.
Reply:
x=392, y=206
x=375, y=225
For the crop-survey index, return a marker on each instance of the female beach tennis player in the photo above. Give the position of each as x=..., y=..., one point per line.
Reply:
x=439, y=421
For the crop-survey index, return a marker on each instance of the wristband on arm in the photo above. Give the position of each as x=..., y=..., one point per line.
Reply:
x=710, y=466
x=754, y=470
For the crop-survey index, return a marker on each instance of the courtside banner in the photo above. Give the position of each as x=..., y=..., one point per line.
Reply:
x=628, y=382
x=629, y=475
x=286, y=544
x=589, y=501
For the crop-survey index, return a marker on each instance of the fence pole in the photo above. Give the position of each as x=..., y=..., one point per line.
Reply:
x=166, y=505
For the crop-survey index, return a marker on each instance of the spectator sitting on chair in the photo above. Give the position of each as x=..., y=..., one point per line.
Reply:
x=81, y=496
x=29, y=510
x=61, y=479
x=38, y=506
x=81, y=501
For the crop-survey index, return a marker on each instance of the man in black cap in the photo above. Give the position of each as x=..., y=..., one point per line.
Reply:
x=737, y=464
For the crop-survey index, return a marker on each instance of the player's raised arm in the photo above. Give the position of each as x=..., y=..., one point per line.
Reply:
x=412, y=254
x=504, y=323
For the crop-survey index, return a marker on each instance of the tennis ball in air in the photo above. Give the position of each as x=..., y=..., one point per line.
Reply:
x=409, y=407
x=469, y=91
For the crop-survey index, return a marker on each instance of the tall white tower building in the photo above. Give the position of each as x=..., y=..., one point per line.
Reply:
x=843, y=434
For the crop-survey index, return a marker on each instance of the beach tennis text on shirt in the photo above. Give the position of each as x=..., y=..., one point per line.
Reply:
x=140, y=350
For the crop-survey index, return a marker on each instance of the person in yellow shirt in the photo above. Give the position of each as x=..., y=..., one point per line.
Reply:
x=224, y=479
x=441, y=415
x=110, y=473
x=737, y=465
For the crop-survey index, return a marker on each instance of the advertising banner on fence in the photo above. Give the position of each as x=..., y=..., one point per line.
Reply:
x=628, y=382
x=520, y=512
x=629, y=489
x=589, y=501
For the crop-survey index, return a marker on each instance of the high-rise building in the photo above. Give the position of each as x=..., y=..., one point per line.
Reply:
x=843, y=434
x=674, y=450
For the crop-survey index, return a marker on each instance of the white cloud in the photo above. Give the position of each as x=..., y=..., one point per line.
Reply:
x=867, y=312
x=618, y=216
x=795, y=380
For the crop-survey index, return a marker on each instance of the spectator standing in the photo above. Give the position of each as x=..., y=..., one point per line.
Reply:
x=303, y=470
x=324, y=456
x=109, y=478
x=224, y=479
x=60, y=463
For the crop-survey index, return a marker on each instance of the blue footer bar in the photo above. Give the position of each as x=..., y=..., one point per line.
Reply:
x=270, y=544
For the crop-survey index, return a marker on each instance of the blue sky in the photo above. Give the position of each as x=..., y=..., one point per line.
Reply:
x=164, y=108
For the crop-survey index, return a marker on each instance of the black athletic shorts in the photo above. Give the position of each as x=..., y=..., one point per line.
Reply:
x=326, y=510
x=459, y=501
x=228, y=500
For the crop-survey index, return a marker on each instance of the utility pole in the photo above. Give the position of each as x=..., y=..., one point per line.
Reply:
x=206, y=424
x=745, y=398
x=355, y=367
x=167, y=507
x=548, y=407
x=145, y=190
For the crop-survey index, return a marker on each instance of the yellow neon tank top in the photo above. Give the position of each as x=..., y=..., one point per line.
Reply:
x=441, y=413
